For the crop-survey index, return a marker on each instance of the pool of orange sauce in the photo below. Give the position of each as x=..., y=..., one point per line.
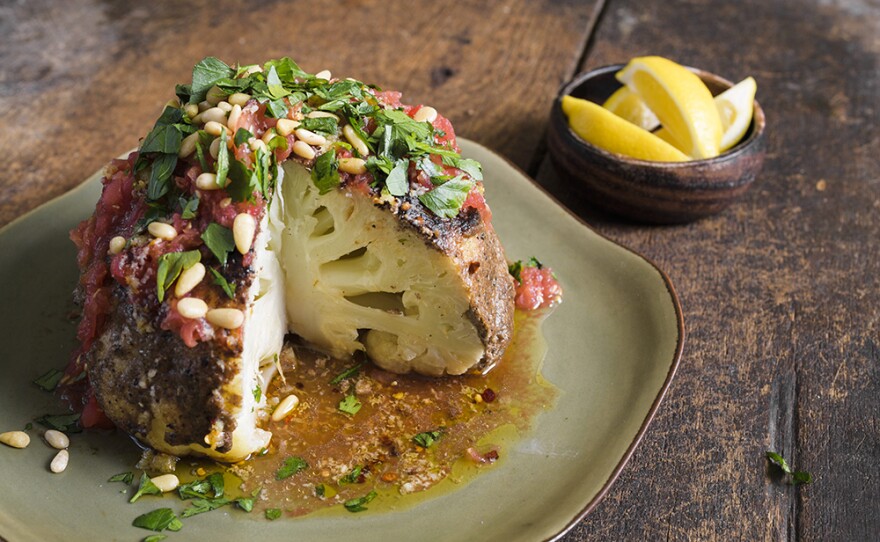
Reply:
x=475, y=428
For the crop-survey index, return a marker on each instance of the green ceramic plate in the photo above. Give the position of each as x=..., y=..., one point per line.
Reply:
x=614, y=345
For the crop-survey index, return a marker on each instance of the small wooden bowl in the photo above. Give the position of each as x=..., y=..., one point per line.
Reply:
x=657, y=192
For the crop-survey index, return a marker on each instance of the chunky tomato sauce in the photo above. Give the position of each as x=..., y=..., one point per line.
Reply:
x=538, y=288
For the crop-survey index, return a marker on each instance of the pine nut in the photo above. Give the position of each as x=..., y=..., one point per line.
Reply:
x=255, y=144
x=204, y=106
x=234, y=115
x=285, y=407
x=215, y=114
x=323, y=74
x=166, y=482
x=188, y=145
x=251, y=70
x=355, y=140
x=243, y=229
x=192, y=307
x=225, y=318
x=191, y=110
x=162, y=230
x=215, y=95
x=16, y=439
x=225, y=202
x=214, y=148
x=207, y=181
x=56, y=439
x=425, y=114
x=59, y=463
x=239, y=98
x=285, y=127
x=189, y=279
x=310, y=137
x=301, y=148
x=355, y=166
x=225, y=106
x=267, y=137
x=214, y=128
x=319, y=114
x=117, y=244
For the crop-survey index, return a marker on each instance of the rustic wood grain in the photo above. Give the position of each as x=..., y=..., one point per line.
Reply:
x=82, y=81
x=780, y=292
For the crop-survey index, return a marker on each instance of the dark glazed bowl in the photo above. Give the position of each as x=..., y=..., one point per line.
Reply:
x=646, y=191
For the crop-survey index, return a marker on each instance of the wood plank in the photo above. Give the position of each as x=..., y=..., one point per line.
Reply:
x=80, y=86
x=780, y=292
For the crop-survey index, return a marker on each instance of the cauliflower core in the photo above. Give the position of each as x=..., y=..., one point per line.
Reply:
x=358, y=279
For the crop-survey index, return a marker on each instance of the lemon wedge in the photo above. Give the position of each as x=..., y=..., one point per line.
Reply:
x=595, y=124
x=627, y=105
x=680, y=100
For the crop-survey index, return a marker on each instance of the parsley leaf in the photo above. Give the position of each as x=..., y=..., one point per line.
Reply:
x=258, y=393
x=155, y=538
x=158, y=520
x=348, y=373
x=66, y=423
x=291, y=466
x=200, y=506
x=205, y=75
x=247, y=503
x=515, y=269
x=327, y=125
x=241, y=137
x=221, y=281
x=797, y=477
x=325, y=172
x=273, y=513
x=357, y=505
x=219, y=241
x=349, y=405
x=397, y=181
x=188, y=207
x=160, y=175
x=428, y=438
x=124, y=477
x=471, y=167
x=222, y=160
x=49, y=381
x=353, y=476
x=171, y=265
x=165, y=137
x=276, y=109
x=446, y=200
x=146, y=487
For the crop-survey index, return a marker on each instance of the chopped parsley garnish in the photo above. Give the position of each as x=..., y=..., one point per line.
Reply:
x=155, y=538
x=320, y=491
x=222, y=160
x=49, y=381
x=397, y=181
x=348, y=373
x=291, y=466
x=219, y=241
x=258, y=393
x=353, y=477
x=273, y=513
x=428, y=438
x=349, y=405
x=221, y=281
x=797, y=476
x=146, y=487
x=188, y=207
x=124, y=477
x=447, y=199
x=207, y=73
x=325, y=172
x=326, y=125
x=158, y=520
x=515, y=269
x=66, y=423
x=357, y=505
x=200, y=506
x=171, y=265
x=241, y=137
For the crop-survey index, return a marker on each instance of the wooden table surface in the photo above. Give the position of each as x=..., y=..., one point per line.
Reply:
x=781, y=292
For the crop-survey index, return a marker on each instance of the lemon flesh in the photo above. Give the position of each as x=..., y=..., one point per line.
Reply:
x=595, y=124
x=680, y=100
x=626, y=104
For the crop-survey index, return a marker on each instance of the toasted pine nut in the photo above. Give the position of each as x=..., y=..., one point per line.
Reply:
x=425, y=114
x=204, y=105
x=207, y=181
x=255, y=144
x=16, y=439
x=215, y=114
x=225, y=202
x=316, y=114
x=59, y=462
x=117, y=244
x=214, y=128
x=301, y=148
x=267, y=137
x=323, y=74
x=191, y=110
x=251, y=70
x=355, y=166
x=234, y=115
x=310, y=137
x=225, y=106
x=189, y=279
x=225, y=318
x=215, y=95
x=285, y=127
x=239, y=98
x=243, y=229
x=214, y=148
x=285, y=407
x=188, y=145
x=166, y=482
x=355, y=140
x=192, y=307
x=162, y=230
x=56, y=439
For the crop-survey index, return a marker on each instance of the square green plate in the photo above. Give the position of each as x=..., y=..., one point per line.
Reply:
x=614, y=344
